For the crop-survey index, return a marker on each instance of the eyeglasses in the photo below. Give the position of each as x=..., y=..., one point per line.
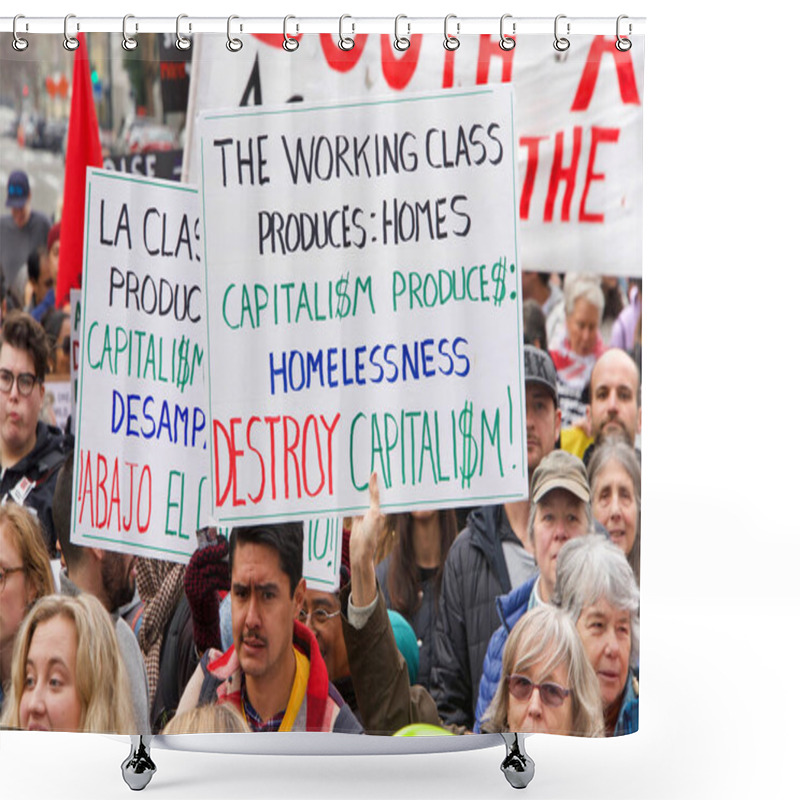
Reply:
x=551, y=694
x=25, y=382
x=318, y=615
x=5, y=572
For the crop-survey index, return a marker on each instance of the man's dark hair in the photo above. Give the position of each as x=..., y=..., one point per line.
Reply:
x=62, y=511
x=286, y=538
x=35, y=263
x=22, y=331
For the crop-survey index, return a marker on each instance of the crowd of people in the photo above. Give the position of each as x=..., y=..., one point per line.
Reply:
x=518, y=617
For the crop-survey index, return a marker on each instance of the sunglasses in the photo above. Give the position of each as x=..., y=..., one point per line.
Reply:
x=551, y=693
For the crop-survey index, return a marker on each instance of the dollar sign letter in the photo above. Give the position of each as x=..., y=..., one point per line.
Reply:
x=469, y=459
x=499, y=278
x=343, y=306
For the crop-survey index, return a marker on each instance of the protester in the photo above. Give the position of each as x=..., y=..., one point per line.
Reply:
x=547, y=684
x=31, y=451
x=21, y=231
x=613, y=305
x=42, y=281
x=624, y=332
x=57, y=327
x=561, y=510
x=273, y=671
x=411, y=577
x=616, y=480
x=25, y=576
x=537, y=286
x=490, y=557
x=576, y=352
x=109, y=577
x=208, y=719
x=534, y=324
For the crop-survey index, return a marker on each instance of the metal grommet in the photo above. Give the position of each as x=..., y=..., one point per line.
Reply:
x=18, y=43
x=346, y=42
x=451, y=42
x=290, y=44
x=561, y=43
x=234, y=45
x=181, y=42
x=401, y=42
x=128, y=42
x=623, y=42
x=70, y=42
x=506, y=42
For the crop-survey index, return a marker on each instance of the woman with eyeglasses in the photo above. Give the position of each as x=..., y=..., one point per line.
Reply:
x=25, y=576
x=596, y=587
x=547, y=683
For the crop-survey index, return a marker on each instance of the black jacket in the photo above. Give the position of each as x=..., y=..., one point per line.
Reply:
x=40, y=467
x=475, y=573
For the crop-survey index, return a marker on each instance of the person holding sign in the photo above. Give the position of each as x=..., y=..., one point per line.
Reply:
x=273, y=674
x=30, y=451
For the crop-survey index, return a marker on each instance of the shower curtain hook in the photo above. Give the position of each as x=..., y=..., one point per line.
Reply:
x=346, y=42
x=401, y=42
x=70, y=42
x=623, y=42
x=561, y=43
x=234, y=45
x=451, y=41
x=18, y=43
x=129, y=42
x=506, y=42
x=290, y=44
x=181, y=42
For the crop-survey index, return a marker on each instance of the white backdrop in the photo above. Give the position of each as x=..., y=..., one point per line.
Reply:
x=720, y=600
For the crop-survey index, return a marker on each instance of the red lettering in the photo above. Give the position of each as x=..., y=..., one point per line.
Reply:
x=126, y=524
x=272, y=421
x=342, y=60
x=101, y=488
x=312, y=419
x=143, y=528
x=449, y=68
x=86, y=482
x=598, y=135
x=219, y=428
x=487, y=50
x=330, y=429
x=625, y=74
x=560, y=173
x=260, y=494
x=237, y=501
x=290, y=449
x=531, y=144
x=115, y=495
x=399, y=71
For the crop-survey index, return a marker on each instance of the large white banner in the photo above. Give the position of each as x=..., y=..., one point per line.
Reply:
x=140, y=468
x=363, y=304
x=578, y=124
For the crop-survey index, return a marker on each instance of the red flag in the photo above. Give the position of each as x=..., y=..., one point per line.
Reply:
x=83, y=150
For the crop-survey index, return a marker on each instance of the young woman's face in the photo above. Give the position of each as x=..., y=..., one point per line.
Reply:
x=50, y=700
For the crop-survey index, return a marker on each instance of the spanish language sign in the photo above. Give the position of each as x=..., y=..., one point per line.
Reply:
x=142, y=428
x=578, y=125
x=363, y=305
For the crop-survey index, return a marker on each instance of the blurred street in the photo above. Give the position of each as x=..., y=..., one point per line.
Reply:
x=45, y=172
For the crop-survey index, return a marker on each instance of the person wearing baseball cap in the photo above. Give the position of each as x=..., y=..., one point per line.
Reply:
x=21, y=231
x=561, y=510
x=493, y=555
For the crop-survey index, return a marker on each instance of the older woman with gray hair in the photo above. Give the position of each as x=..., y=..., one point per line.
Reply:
x=616, y=481
x=596, y=587
x=576, y=350
x=547, y=684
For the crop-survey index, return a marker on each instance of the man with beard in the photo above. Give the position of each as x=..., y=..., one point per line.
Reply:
x=110, y=577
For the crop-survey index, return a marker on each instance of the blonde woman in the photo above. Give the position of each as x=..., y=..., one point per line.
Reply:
x=67, y=674
x=216, y=718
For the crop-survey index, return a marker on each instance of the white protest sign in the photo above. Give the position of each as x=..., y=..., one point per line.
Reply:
x=578, y=128
x=322, y=553
x=140, y=471
x=75, y=349
x=364, y=305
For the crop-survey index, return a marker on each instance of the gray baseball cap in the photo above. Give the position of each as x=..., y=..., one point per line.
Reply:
x=539, y=368
x=560, y=470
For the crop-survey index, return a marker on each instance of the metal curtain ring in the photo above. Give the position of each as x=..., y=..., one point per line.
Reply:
x=70, y=42
x=561, y=43
x=128, y=42
x=506, y=42
x=623, y=42
x=451, y=42
x=346, y=42
x=234, y=45
x=401, y=42
x=181, y=42
x=290, y=44
x=18, y=43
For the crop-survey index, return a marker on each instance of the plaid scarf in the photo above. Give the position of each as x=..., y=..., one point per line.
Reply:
x=160, y=587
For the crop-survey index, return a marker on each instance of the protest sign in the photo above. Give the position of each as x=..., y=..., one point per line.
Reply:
x=140, y=469
x=578, y=122
x=322, y=553
x=363, y=305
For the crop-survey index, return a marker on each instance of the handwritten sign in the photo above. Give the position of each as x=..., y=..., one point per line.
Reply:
x=140, y=460
x=363, y=305
x=322, y=553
